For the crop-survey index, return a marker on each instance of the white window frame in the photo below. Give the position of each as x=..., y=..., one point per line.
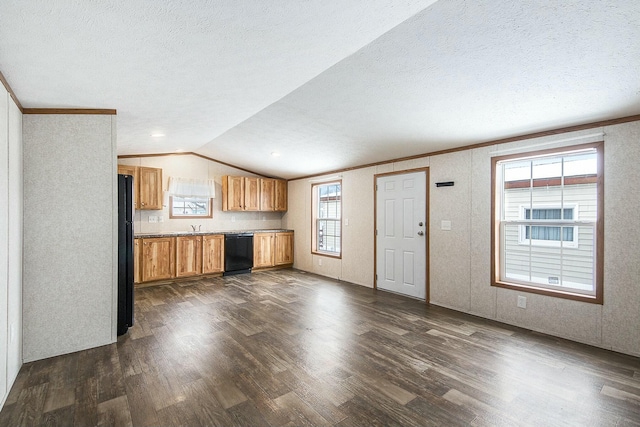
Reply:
x=316, y=219
x=522, y=235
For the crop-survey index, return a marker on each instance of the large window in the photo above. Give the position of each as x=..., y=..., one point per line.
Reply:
x=548, y=222
x=327, y=222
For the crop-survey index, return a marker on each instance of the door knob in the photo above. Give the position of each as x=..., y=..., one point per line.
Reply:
x=420, y=224
x=420, y=233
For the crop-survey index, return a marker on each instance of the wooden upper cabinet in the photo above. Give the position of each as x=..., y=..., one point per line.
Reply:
x=188, y=256
x=267, y=194
x=232, y=193
x=158, y=258
x=150, y=188
x=263, y=254
x=251, y=194
x=128, y=170
x=284, y=248
x=212, y=253
x=147, y=186
x=281, y=195
x=244, y=193
x=133, y=171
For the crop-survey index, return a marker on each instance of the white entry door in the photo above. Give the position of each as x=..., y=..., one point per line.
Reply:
x=401, y=224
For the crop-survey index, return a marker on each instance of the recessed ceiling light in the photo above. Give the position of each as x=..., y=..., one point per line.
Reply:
x=157, y=135
x=275, y=154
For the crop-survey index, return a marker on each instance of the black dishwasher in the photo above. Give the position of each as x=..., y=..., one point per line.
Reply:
x=238, y=253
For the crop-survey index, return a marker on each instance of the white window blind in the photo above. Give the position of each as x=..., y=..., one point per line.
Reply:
x=191, y=187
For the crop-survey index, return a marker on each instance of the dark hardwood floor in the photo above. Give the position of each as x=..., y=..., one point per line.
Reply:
x=285, y=348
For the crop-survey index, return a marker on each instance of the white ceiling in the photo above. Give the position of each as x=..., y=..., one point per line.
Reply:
x=327, y=84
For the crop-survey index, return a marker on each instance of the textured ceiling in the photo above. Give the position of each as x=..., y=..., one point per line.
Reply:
x=327, y=84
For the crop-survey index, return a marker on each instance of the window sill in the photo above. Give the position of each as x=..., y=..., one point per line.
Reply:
x=595, y=299
x=328, y=254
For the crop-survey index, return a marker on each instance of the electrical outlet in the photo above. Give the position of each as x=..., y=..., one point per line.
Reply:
x=160, y=218
x=346, y=221
x=445, y=225
x=319, y=261
x=153, y=218
x=264, y=217
x=233, y=218
x=522, y=301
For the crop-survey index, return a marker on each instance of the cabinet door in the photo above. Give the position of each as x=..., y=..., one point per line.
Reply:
x=232, y=193
x=267, y=194
x=251, y=194
x=188, y=256
x=212, y=253
x=281, y=195
x=263, y=250
x=137, y=261
x=158, y=258
x=133, y=171
x=127, y=170
x=284, y=248
x=150, y=188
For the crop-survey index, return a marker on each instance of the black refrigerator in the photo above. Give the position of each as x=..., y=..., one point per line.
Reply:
x=125, y=253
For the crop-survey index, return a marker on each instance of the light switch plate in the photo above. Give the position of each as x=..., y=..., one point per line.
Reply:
x=445, y=225
x=153, y=218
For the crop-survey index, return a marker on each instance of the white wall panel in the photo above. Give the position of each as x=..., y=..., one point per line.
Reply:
x=450, y=249
x=14, y=314
x=69, y=239
x=4, y=240
x=621, y=310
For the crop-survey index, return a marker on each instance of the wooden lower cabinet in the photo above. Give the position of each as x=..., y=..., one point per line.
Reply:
x=158, y=258
x=137, y=260
x=272, y=249
x=161, y=258
x=212, y=253
x=263, y=254
x=284, y=248
x=188, y=256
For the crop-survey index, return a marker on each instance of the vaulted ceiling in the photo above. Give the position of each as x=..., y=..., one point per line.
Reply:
x=325, y=84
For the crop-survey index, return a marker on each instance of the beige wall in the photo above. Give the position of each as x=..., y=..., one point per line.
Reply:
x=460, y=258
x=190, y=166
x=70, y=232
